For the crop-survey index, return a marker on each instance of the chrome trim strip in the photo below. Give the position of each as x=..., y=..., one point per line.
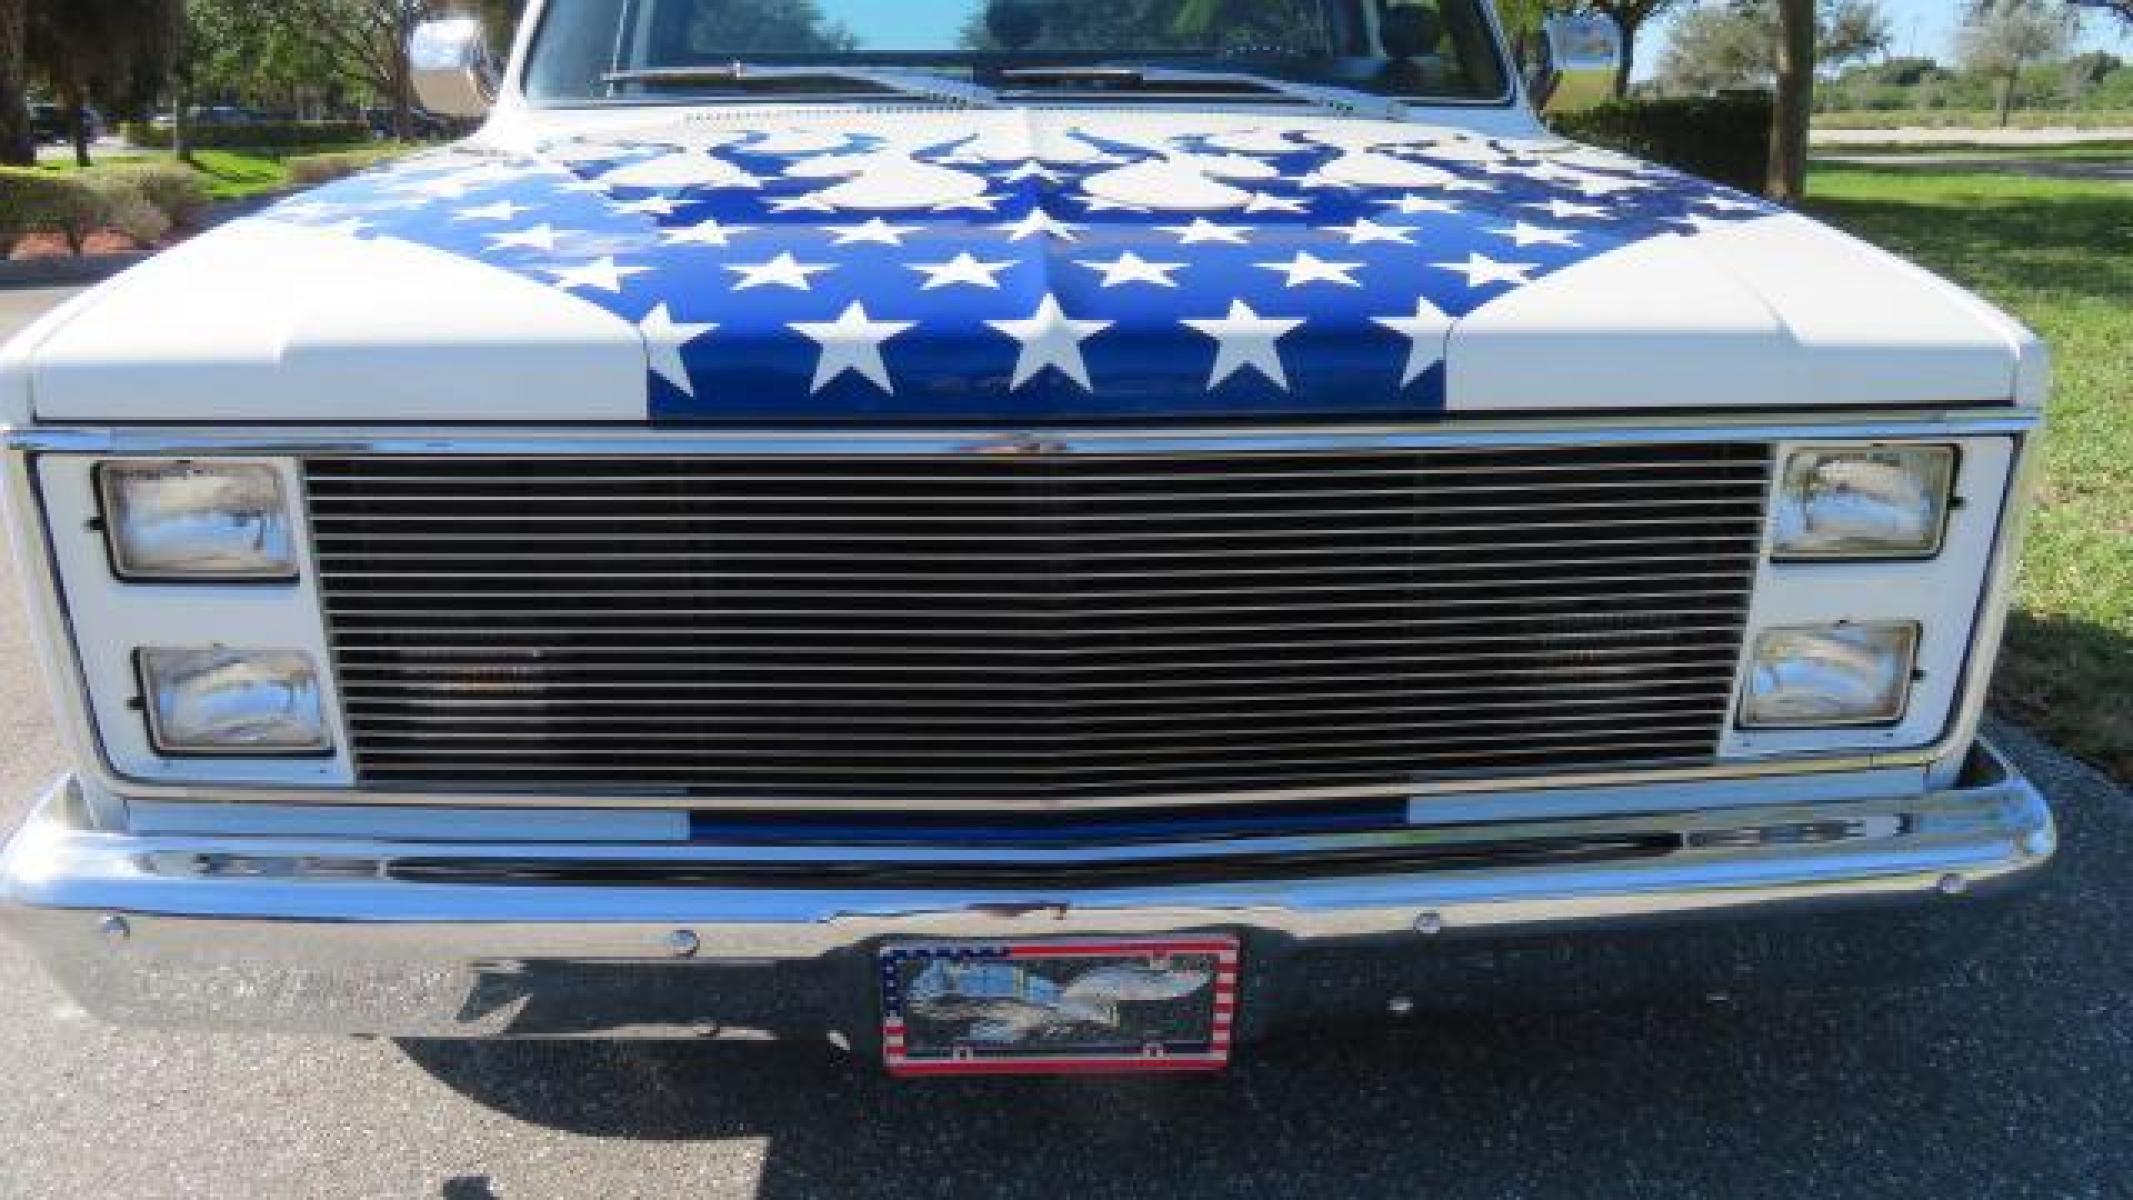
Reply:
x=1945, y=755
x=316, y=935
x=682, y=441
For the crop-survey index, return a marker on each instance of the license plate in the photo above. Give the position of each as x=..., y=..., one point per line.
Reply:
x=1058, y=1007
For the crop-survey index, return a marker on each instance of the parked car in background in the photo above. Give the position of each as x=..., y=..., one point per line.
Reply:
x=1064, y=536
x=53, y=124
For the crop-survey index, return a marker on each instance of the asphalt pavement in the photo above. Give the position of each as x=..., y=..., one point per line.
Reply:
x=2011, y=1078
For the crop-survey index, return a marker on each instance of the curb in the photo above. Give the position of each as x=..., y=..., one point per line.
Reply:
x=69, y=271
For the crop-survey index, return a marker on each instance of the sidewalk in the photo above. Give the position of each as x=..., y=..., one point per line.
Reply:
x=2019, y=138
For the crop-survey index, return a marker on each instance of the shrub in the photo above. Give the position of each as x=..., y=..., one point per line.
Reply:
x=177, y=192
x=311, y=170
x=127, y=208
x=1724, y=138
x=265, y=135
x=35, y=201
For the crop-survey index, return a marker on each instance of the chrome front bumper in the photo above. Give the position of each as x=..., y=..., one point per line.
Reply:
x=454, y=940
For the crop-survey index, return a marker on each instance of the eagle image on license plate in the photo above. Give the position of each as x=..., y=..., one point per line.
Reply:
x=994, y=1008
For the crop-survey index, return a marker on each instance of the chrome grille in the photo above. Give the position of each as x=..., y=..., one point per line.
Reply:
x=1020, y=628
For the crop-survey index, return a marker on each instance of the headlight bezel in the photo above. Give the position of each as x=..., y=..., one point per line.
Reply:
x=306, y=681
x=1911, y=639
x=1949, y=459
x=113, y=503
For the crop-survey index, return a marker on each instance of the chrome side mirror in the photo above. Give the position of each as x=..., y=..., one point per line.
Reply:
x=454, y=73
x=1580, y=56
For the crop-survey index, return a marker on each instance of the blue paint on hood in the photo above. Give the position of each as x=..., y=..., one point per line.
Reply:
x=791, y=273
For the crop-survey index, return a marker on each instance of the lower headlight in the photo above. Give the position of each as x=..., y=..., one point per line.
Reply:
x=1830, y=675
x=217, y=700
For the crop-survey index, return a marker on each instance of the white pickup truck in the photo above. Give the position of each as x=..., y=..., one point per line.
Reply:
x=1030, y=535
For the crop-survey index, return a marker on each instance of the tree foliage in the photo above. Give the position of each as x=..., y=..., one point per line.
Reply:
x=2000, y=36
x=117, y=51
x=1630, y=17
x=1735, y=45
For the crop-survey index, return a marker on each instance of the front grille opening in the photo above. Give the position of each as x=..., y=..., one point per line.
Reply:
x=1023, y=630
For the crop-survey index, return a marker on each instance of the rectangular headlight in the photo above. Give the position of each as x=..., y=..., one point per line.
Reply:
x=197, y=522
x=212, y=700
x=1865, y=502
x=1826, y=675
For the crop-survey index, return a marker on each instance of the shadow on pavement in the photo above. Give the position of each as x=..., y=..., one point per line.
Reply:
x=2012, y=1075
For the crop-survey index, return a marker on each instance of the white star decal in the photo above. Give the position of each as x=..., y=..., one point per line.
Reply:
x=1132, y=268
x=1415, y=206
x=782, y=271
x=434, y=189
x=1698, y=223
x=1426, y=332
x=601, y=275
x=1051, y=339
x=1247, y=340
x=1481, y=270
x=1727, y=204
x=877, y=231
x=1264, y=202
x=1603, y=185
x=303, y=210
x=852, y=343
x=1467, y=185
x=969, y=204
x=502, y=210
x=706, y=233
x=1039, y=222
x=1204, y=230
x=1522, y=234
x=664, y=338
x=1309, y=268
x=1564, y=210
x=812, y=202
x=1365, y=231
x=650, y=206
x=1031, y=170
x=540, y=237
x=964, y=269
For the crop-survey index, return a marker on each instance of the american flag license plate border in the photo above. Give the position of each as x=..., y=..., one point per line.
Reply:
x=1210, y=1051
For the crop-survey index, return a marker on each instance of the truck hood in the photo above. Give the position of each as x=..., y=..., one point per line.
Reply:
x=1014, y=267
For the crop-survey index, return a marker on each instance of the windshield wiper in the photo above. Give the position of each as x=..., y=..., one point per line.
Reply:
x=1346, y=102
x=740, y=74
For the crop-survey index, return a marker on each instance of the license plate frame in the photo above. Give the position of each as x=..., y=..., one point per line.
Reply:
x=1059, y=1006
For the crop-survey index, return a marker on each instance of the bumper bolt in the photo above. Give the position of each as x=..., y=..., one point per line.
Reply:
x=1429, y=924
x=683, y=943
x=1400, y=1006
x=114, y=928
x=1952, y=884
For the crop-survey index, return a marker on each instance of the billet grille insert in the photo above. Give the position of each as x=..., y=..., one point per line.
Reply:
x=1034, y=628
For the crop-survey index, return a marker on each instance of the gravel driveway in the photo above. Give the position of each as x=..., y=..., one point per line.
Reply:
x=2012, y=1079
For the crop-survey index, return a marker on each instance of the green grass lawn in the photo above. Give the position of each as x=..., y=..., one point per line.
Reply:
x=2059, y=255
x=238, y=174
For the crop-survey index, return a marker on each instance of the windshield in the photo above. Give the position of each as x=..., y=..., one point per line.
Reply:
x=669, y=51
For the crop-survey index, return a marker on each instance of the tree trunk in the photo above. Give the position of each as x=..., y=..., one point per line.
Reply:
x=18, y=146
x=181, y=137
x=403, y=98
x=1786, y=181
x=77, y=106
x=1628, y=65
x=2007, y=92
